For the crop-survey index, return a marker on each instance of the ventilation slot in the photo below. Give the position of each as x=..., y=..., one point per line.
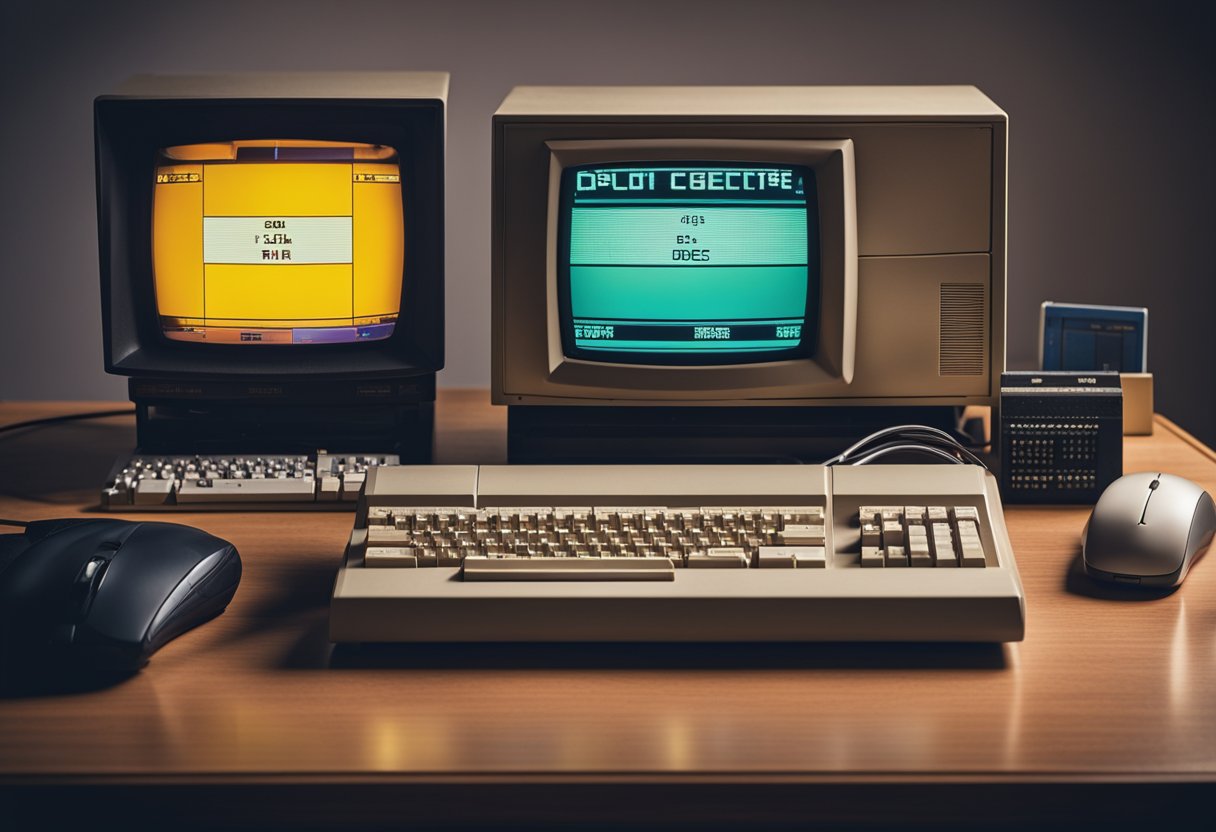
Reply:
x=961, y=350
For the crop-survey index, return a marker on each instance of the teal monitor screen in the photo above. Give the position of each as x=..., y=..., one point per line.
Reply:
x=688, y=262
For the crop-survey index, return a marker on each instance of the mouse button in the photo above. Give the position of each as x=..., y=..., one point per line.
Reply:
x=203, y=570
x=178, y=603
x=73, y=528
x=183, y=545
x=1122, y=502
x=37, y=582
x=38, y=530
x=225, y=576
x=1168, y=515
x=216, y=575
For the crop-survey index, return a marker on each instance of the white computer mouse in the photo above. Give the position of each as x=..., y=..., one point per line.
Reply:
x=1148, y=529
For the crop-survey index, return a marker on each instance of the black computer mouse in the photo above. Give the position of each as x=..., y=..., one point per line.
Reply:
x=109, y=593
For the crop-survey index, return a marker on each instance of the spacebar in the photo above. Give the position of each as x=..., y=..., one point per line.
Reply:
x=272, y=490
x=568, y=569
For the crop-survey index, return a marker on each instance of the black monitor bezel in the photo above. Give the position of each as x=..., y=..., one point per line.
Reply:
x=810, y=327
x=129, y=132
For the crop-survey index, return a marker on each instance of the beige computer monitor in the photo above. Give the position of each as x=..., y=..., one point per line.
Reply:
x=911, y=229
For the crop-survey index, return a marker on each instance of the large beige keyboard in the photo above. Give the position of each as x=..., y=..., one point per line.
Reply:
x=543, y=553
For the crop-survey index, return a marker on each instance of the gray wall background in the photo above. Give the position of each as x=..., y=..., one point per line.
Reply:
x=1111, y=105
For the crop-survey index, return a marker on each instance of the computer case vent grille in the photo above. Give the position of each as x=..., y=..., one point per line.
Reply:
x=961, y=330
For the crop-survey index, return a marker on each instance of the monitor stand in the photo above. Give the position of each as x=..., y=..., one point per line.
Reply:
x=636, y=435
x=276, y=416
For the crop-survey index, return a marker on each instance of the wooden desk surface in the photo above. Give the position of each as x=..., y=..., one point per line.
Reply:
x=1109, y=705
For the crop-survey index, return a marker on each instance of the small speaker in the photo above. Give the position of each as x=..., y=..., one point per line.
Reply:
x=961, y=330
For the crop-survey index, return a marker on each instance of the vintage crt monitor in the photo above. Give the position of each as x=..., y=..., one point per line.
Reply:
x=272, y=258
x=743, y=272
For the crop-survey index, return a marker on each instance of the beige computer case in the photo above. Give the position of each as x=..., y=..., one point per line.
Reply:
x=913, y=288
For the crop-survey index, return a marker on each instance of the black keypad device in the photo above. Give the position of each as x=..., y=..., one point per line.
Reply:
x=1061, y=436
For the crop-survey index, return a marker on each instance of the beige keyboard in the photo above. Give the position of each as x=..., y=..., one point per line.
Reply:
x=544, y=553
x=320, y=480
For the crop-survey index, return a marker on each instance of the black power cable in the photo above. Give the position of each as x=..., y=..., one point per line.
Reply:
x=71, y=417
x=920, y=439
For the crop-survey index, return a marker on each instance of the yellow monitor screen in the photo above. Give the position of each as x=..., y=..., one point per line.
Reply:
x=278, y=242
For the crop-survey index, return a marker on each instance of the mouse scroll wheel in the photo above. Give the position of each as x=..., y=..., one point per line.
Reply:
x=1153, y=485
x=87, y=581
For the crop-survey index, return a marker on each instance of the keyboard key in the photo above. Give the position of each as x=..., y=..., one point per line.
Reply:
x=968, y=529
x=330, y=488
x=871, y=534
x=150, y=492
x=726, y=552
x=380, y=557
x=918, y=547
x=966, y=513
x=380, y=516
x=444, y=556
x=800, y=534
x=892, y=533
x=351, y=484
x=811, y=557
x=568, y=569
x=971, y=550
x=776, y=557
x=246, y=491
x=389, y=536
x=801, y=557
x=719, y=558
x=972, y=556
x=942, y=545
x=895, y=556
x=810, y=515
x=871, y=556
